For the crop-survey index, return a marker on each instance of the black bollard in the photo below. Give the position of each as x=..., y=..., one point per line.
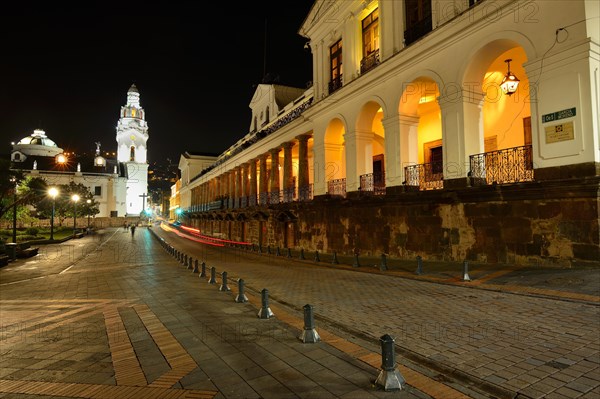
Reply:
x=190, y=263
x=317, y=259
x=195, y=266
x=383, y=265
x=184, y=260
x=241, y=296
x=203, y=270
x=419, y=265
x=289, y=253
x=356, y=263
x=389, y=378
x=224, y=286
x=265, y=312
x=302, y=254
x=466, y=271
x=212, y=279
x=309, y=334
x=259, y=248
x=278, y=253
x=269, y=249
x=335, y=259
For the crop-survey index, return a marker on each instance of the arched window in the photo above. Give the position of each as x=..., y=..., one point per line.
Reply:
x=132, y=153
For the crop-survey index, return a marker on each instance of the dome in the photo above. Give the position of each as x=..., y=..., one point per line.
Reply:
x=38, y=138
x=133, y=89
x=38, y=144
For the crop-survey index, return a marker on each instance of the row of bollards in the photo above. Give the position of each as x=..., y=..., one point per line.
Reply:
x=389, y=377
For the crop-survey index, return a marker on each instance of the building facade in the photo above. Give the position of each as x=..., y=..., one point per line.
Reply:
x=116, y=184
x=453, y=130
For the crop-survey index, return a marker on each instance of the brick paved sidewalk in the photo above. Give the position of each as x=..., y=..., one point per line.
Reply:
x=540, y=343
x=122, y=319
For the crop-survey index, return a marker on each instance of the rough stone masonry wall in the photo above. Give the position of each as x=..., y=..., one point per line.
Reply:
x=523, y=224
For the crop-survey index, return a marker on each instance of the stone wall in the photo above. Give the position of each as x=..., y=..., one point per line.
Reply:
x=550, y=223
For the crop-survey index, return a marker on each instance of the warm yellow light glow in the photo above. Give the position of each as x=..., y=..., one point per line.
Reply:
x=75, y=197
x=53, y=192
x=89, y=201
x=427, y=99
x=61, y=158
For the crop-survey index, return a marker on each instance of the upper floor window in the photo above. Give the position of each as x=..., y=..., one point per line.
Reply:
x=370, y=33
x=335, y=66
x=418, y=19
x=132, y=153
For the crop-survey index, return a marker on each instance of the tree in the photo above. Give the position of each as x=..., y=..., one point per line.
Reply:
x=18, y=189
x=64, y=206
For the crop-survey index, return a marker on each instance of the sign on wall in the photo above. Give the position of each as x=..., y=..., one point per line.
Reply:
x=558, y=133
x=554, y=116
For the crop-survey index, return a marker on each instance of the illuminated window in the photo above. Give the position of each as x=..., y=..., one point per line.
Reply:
x=370, y=33
x=335, y=60
x=132, y=153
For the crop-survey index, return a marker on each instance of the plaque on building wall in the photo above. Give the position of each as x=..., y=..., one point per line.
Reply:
x=554, y=116
x=558, y=133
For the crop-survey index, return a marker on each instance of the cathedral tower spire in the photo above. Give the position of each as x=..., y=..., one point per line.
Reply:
x=132, y=135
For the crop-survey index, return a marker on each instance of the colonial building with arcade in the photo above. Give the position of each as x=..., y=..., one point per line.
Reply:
x=449, y=129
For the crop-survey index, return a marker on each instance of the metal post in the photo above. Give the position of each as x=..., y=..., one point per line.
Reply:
x=289, y=253
x=212, y=279
x=184, y=260
x=260, y=248
x=189, y=265
x=389, y=378
x=52, y=221
x=356, y=263
x=302, y=254
x=265, y=312
x=241, y=296
x=419, y=265
x=195, y=266
x=383, y=265
x=203, y=270
x=466, y=271
x=269, y=249
x=309, y=334
x=335, y=259
x=317, y=259
x=14, y=232
x=278, y=253
x=224, y=286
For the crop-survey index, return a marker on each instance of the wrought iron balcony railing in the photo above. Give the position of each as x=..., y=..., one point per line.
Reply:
x=305, y=193
x=369, y=62
x=337, y=187
x=373, y=183
x=336, y=83
x=426, y=176
x=510, y=165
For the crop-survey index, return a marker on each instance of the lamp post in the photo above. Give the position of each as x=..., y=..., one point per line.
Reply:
x=89, y=202
x=53, y=192
x=75, y=198
x=14, y=235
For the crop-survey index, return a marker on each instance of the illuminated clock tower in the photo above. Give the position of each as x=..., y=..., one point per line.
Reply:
x=132, y=135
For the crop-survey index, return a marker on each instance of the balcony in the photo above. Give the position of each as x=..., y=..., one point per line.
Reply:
x=369, y=62
x=425, y=176
x=373, y=183
x=511, y=165
x=336, y=83
x=337, y=187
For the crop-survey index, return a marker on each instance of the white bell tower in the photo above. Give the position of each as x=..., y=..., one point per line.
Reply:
x=132, y=135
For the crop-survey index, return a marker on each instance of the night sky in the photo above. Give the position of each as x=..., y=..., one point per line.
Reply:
x=195, y=65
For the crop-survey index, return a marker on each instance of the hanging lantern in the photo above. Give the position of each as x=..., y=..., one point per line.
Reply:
x=510, y=82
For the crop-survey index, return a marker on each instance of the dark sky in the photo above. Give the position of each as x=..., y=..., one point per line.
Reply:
x=194, y=63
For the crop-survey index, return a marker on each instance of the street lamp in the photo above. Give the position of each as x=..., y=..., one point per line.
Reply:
x=75, y=198
x=89, y=201
x=14, y=237
x=52, y=192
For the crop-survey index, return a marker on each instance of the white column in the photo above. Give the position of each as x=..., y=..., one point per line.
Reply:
x=462, y=131
x=359, y=157
x=393, y=165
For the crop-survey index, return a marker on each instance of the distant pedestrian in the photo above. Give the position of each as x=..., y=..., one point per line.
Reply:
x=132, y=229
x=124, y=225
